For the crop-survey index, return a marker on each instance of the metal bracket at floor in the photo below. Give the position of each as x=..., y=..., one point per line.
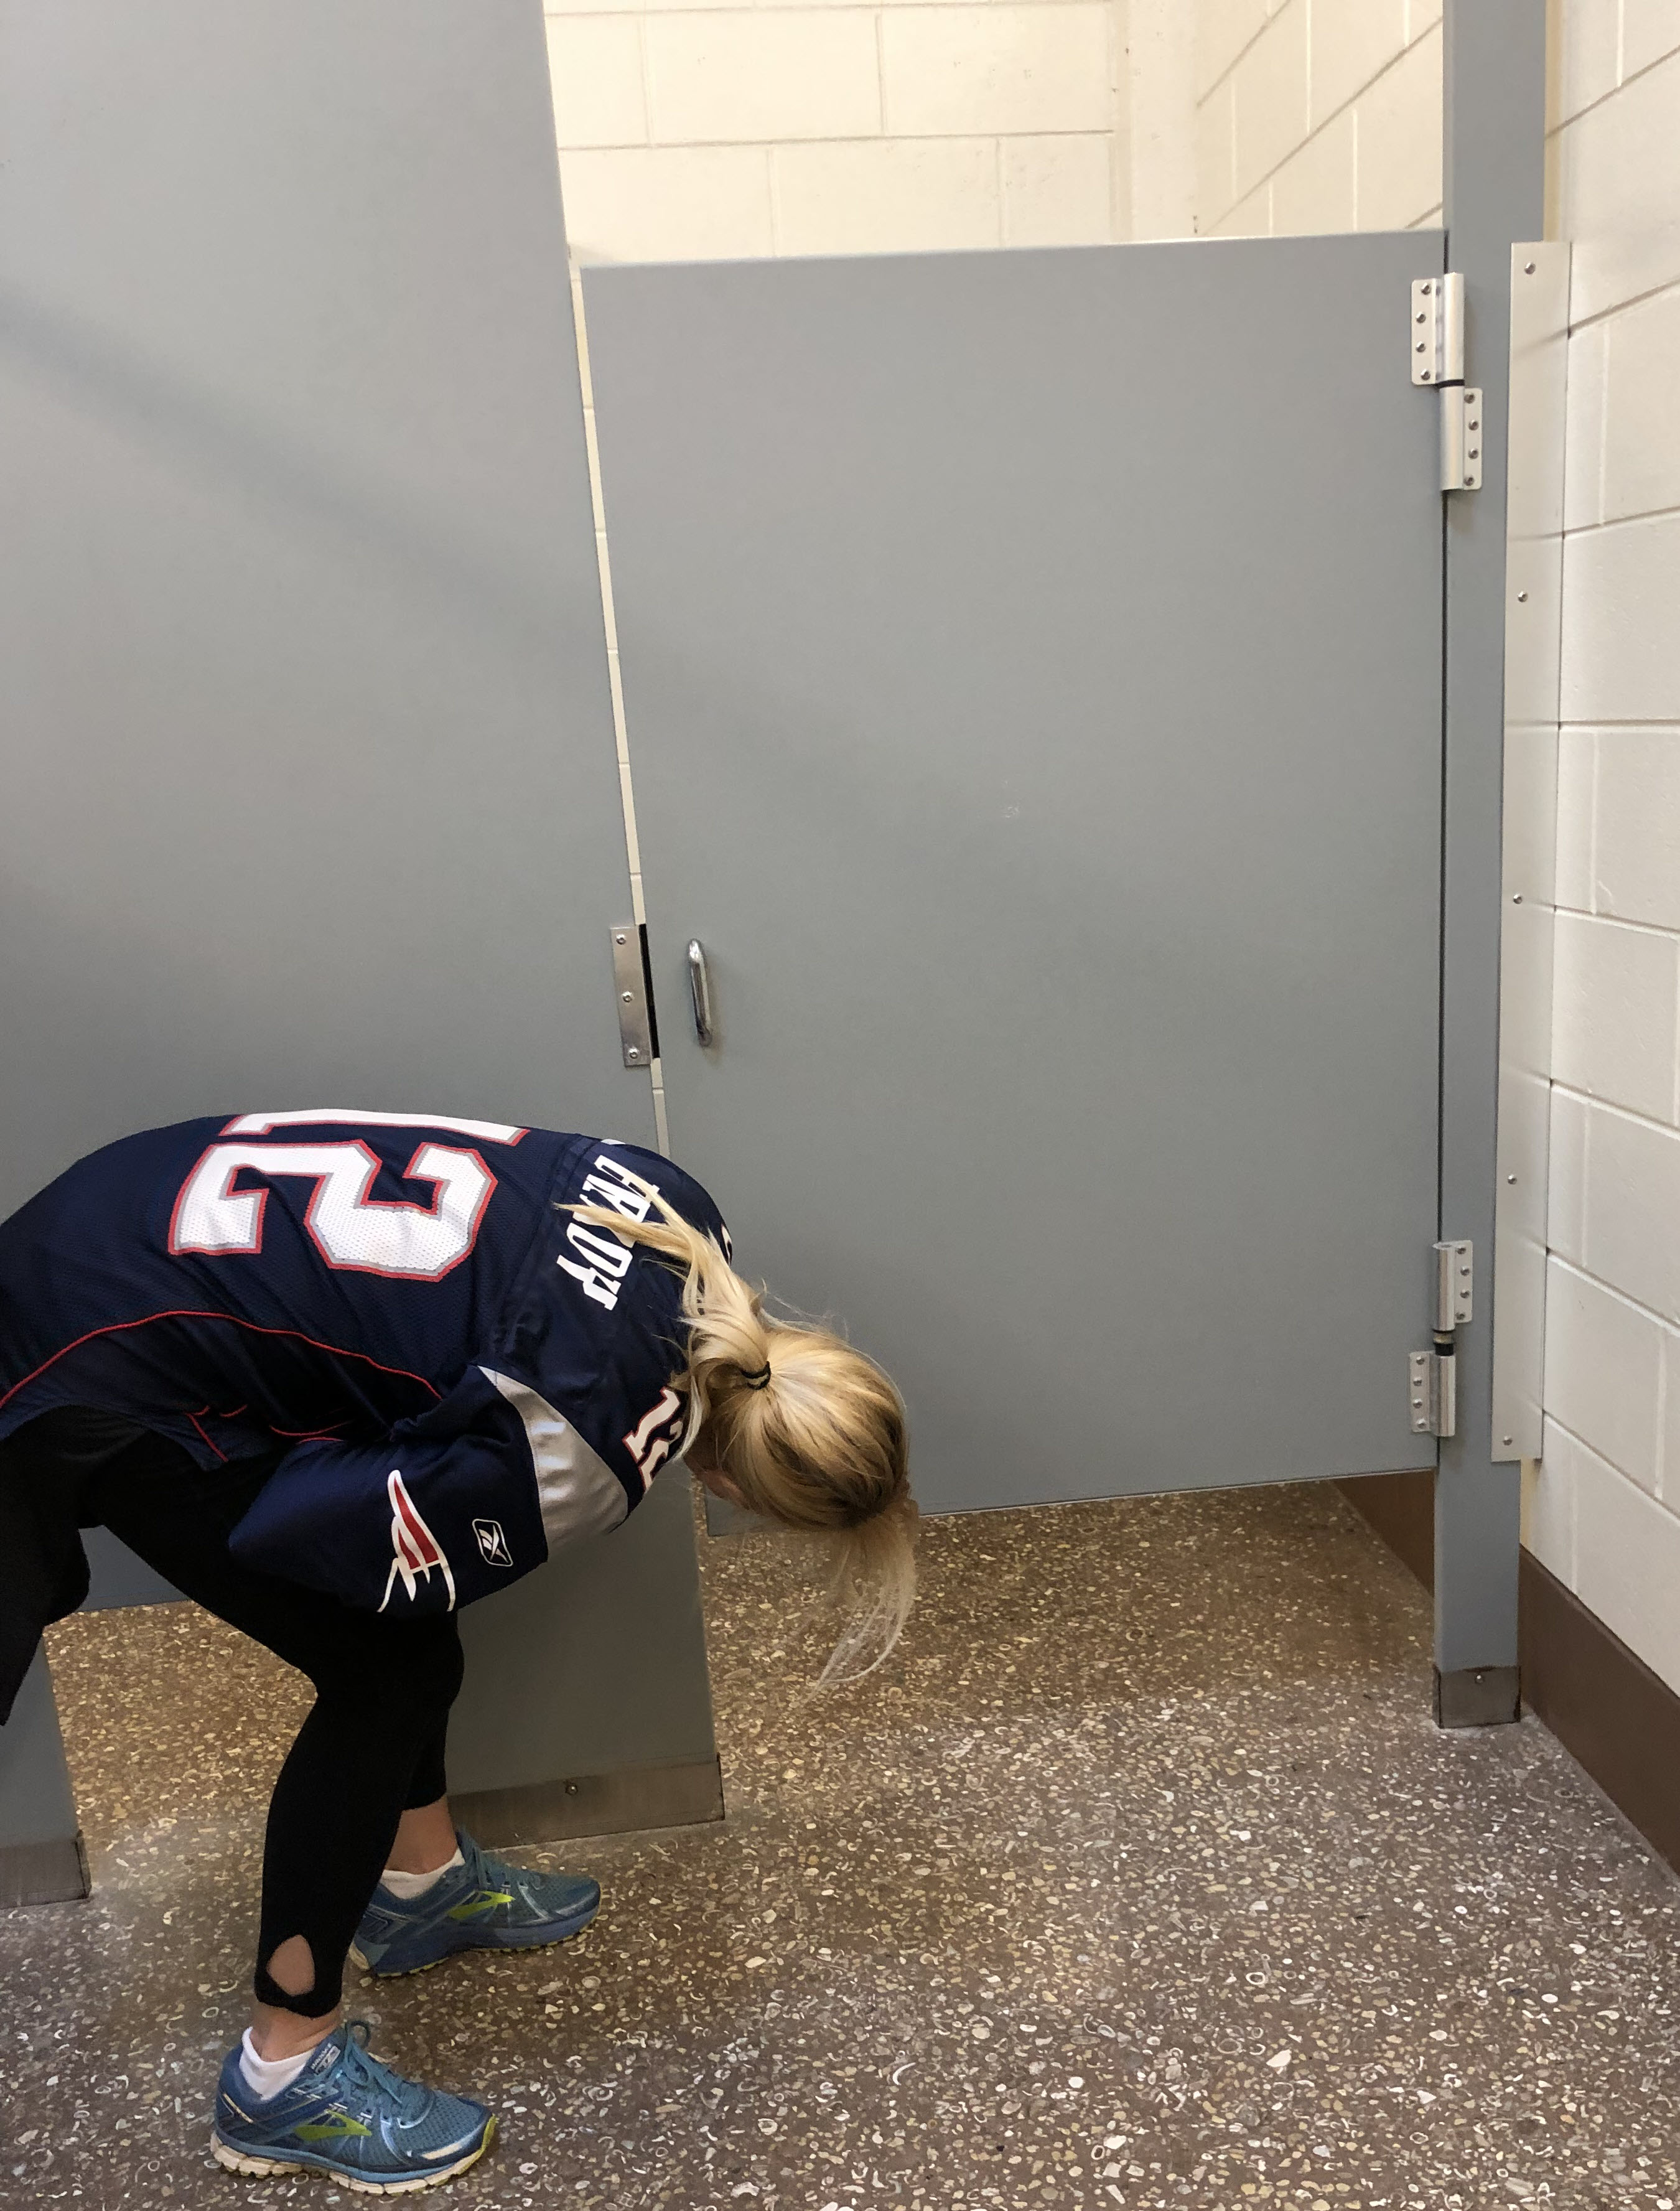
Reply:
x=685, y=1796
x=54, y=1872
x=1477, y=1697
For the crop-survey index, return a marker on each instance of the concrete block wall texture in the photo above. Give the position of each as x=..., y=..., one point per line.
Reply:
x=1603, y=1508
x=816, y=126
x=1317, y=115
x=801, y=127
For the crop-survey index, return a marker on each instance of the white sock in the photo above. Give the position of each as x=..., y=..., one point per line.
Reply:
x=266, y=2076
x=408, y=1885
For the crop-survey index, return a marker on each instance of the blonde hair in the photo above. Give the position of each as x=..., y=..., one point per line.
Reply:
x=811, y=1432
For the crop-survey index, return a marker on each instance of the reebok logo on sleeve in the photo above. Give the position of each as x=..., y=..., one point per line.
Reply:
x=493, y=1543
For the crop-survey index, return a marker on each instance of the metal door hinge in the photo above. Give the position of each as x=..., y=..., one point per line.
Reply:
x=1437, y=330
x=1437, y=358
x=1434, y=1392
x=1454, y=1285
x=630, y=989
x=1460, y=438
x=1434, y=1374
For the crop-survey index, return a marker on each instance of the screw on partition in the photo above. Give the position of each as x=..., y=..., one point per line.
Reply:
x=1527, y=270
x=1505, y=1439
x=1510, y=1178
x=1516, y=898
x=634, y=1051
x=1522, y=598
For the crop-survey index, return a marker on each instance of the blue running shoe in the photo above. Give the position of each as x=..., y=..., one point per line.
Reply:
x=351, y=2118
x=482, y=1905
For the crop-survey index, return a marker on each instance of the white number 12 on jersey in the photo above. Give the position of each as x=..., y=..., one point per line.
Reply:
x=420, y=1243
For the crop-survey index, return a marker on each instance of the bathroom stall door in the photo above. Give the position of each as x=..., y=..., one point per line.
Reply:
x=312, y=795
x=311, y=785
x=1033, y=671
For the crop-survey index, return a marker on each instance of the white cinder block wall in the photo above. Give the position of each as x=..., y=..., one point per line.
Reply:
x=1318, y=115
x=1603, y=1508
x=800, y=126
x=817, y=126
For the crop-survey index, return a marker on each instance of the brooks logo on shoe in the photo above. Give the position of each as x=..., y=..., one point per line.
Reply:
x=337, y=2128
x=486, y=1901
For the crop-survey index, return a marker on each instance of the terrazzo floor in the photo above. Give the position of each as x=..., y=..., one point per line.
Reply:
x=1139, y=1878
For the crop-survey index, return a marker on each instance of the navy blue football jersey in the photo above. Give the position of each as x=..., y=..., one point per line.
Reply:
x=466, y=1375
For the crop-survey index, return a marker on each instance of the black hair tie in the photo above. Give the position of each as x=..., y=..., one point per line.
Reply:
x=759, y=1379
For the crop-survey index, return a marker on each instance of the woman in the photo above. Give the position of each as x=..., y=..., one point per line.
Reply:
x=333, y=1375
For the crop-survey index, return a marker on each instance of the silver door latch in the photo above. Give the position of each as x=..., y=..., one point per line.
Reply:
x=1437, y=358
x=1434, y=1374
x=699, y=993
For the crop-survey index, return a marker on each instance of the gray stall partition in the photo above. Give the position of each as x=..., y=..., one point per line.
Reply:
x=310, y=792
x=1032, y=664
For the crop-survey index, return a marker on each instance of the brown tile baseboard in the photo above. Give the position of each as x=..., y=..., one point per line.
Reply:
x=1401, y=1509
x=1610, y=1712
x=1617, y=1720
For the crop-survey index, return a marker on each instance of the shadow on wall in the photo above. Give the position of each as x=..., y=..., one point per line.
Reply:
x=298, y=484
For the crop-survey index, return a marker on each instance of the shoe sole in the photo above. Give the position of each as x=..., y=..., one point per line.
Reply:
x=534, y=1938
x=257, y=2167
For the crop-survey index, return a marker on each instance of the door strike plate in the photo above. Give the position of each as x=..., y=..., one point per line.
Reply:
x=629, y=990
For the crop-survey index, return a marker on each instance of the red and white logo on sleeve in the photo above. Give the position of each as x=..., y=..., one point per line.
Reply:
x=417, y=1550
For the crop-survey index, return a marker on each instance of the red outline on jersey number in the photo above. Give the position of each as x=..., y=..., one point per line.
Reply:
x=360, y=1202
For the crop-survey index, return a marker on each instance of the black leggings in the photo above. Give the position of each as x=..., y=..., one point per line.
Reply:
x=373, y=1745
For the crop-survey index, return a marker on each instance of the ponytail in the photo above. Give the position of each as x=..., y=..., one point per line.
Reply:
x=811, y=1432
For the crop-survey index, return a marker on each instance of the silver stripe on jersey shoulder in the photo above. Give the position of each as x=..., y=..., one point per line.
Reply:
x=578, y=1494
